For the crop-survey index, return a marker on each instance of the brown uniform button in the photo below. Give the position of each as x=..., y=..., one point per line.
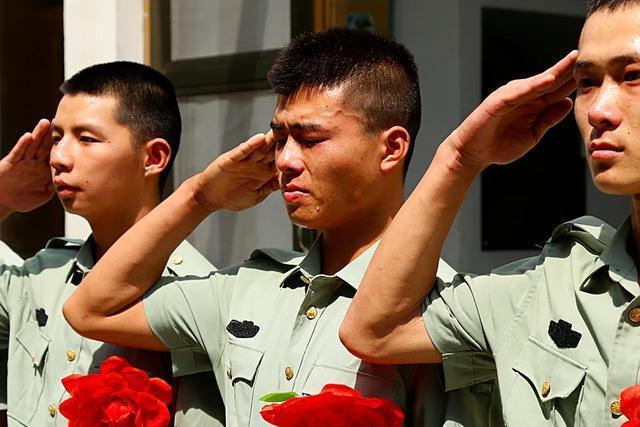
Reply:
x=288, y=373
x=229, y=373
x=71, y=355
x=311, y=313
x=634, y=315
x=52, y=410
x=545, y=389
x=305, y=279
x=615, y=408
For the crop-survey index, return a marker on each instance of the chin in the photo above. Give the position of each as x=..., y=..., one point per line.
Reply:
x=616, y=187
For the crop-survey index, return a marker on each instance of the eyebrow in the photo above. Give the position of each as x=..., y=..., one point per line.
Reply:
x=618, y=60
x=309, y=127
x=79, y=128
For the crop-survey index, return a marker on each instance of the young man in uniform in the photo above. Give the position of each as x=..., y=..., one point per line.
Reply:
x=347, y=116
x=112, y=142
x=560, y=328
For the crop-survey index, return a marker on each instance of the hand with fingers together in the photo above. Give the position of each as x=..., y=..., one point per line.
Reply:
x=239, y=178
x=25, y=175
x=513, y=119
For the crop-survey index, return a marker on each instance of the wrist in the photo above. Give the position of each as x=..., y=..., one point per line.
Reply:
x=456, y=161
x=198, y=197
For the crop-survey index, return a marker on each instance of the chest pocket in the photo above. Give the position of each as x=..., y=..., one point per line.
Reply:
x=242, y=369
x=32, y=348
x=553, y=377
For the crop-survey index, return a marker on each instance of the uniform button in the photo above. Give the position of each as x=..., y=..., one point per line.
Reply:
x=311, y=313
x=305, y=279
x=545, y=389
x=634, y=315
x=229, y=373
x=288, y=373
x=177, y=260
x=52, y=410
x=615, y=408
x=71, y=355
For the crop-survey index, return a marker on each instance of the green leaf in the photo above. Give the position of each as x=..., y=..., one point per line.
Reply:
x=278, y=397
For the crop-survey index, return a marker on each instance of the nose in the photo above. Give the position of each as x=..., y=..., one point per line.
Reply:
x=289, y=157
x=61, y=156
x=604, y=113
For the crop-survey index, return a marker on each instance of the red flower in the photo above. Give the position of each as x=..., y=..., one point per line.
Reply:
x=630, y=405
x=119, y=396
x=337, y=406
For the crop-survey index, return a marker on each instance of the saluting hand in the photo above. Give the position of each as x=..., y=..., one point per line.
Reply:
x=239, y=178
x=513, y=119
x=25, y=175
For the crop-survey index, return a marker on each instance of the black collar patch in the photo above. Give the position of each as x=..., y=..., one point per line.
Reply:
x=562, y=334
x=244, y=329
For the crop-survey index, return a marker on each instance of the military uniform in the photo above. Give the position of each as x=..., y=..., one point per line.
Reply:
x=7, y=257
x=43, y=348
x=271, y=324
x=560, y=330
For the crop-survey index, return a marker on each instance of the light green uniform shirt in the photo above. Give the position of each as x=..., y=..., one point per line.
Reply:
x=43, y=348
x=561, y=328
x=271, y=324
x=7, y=257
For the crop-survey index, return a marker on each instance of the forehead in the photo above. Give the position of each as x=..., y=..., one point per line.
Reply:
x=86, y=109
x=607, y=35
x=321, y=106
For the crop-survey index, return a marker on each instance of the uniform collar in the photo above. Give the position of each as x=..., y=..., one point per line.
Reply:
x=311, y=266
x=83, y=262
x=617, y=263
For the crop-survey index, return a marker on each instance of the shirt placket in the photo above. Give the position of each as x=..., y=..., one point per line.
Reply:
x=320, y=289
x=624, y=364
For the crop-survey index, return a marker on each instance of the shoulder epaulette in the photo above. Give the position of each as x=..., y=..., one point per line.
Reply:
x=188, y=261
x=64, y=243
x=281, y=256
x=592, y=233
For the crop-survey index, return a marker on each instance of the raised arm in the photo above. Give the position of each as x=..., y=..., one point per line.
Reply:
x=384, y=323
x=107, y=305
x=25, y=176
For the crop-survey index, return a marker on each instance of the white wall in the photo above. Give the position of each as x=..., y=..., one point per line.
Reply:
x=445, y=38
x=98, y=31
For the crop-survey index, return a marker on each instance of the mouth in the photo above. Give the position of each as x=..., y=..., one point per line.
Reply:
x=604, y=150
x=64, y=189
x=293, y=194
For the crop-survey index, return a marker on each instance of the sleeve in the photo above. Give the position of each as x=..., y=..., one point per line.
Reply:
x=9, y=276
x=185, y=314
x=474, y=313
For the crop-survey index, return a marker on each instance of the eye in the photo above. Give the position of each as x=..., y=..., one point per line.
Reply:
x=86, y=138
x=56, y=138
x=585, y=83
x=310, y=142
x=631, y=76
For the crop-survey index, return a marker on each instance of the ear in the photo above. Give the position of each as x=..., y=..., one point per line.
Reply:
x=157, y=154
x=396, y=140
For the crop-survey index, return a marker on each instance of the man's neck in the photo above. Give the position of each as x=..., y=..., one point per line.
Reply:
x=342, y=245
x=107, y=229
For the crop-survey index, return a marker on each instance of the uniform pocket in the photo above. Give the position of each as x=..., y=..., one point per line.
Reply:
x=244, y=363
x=368, y=384
x=554, y=378
x=35, y=344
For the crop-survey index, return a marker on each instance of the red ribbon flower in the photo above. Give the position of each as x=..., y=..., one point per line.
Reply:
x=119, y=396
x=630, y=405
x=337, y=406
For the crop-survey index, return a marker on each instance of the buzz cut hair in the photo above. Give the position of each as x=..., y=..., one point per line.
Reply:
x=379, y=77
x=608, y=5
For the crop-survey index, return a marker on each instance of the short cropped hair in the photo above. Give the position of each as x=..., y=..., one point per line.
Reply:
x=608, y=5
x=379, y=76
x=146, y=101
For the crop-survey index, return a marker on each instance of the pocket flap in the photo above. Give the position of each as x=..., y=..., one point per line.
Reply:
x=369, y=385
x=34, y=341
x=552, y=374
x=244, y=362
